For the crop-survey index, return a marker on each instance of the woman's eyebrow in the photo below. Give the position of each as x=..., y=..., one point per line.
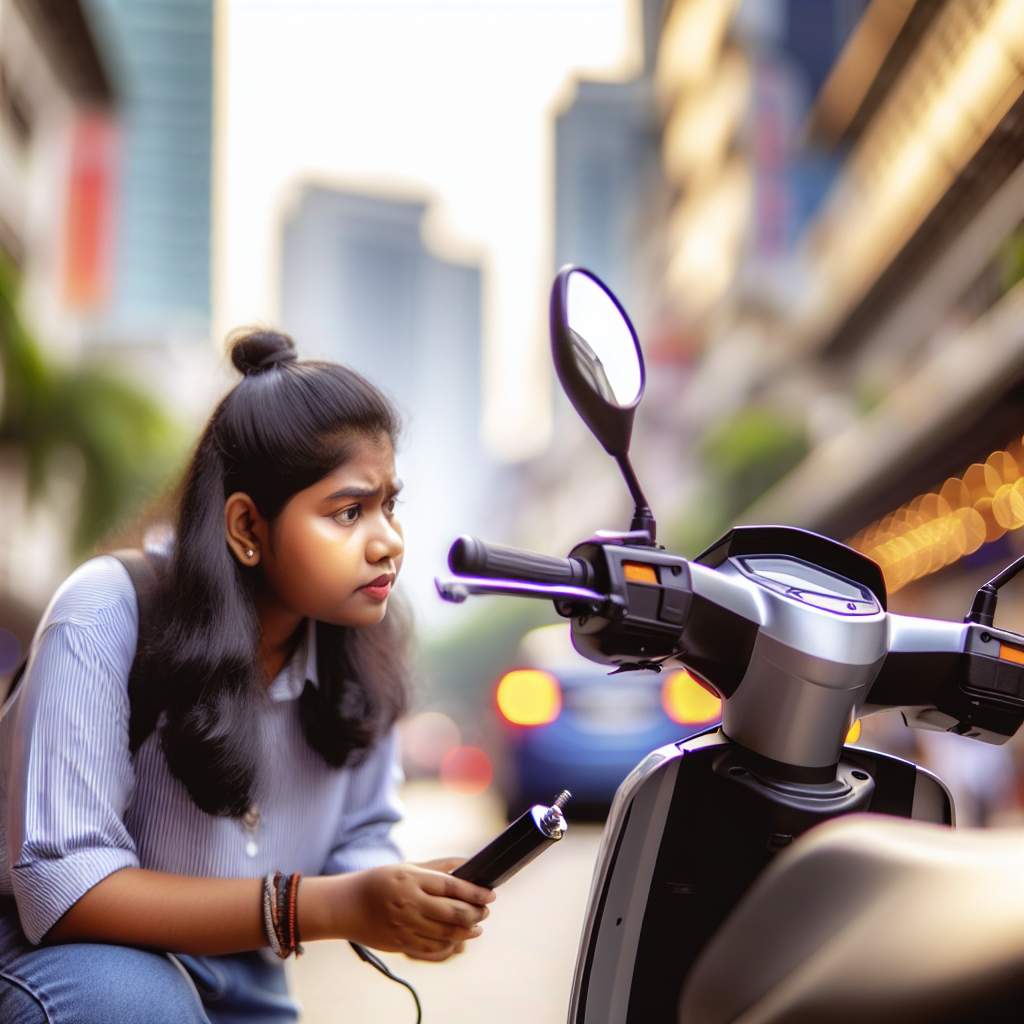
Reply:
x=362, y=492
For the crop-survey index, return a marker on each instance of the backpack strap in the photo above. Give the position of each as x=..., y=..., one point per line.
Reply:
x=144, y=707
x=13, y=684
x=142, y=700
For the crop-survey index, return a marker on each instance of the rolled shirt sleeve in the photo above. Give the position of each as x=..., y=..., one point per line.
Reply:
x=70, y=773
x=363, y=837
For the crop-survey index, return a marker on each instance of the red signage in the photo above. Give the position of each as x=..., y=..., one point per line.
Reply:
x=90, y=212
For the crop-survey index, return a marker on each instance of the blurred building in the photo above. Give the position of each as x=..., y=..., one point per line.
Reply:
x=161, y=260
x=607, y=177
x=904, y=346
x=609, y=202
x=360, y=286
x=842, y=249
x=848, y=271
x=153, y=316
x=105, y=217
x=57, y=103
x=736, y=82
x=57, y=97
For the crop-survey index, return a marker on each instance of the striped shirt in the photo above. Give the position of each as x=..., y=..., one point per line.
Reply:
x=75, y=806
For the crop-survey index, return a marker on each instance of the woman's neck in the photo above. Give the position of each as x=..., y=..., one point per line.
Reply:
x=280, y=632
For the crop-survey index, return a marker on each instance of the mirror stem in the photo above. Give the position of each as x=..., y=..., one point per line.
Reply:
x=643, y=517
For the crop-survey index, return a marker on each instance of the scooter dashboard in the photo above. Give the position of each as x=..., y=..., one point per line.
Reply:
x=810, y=584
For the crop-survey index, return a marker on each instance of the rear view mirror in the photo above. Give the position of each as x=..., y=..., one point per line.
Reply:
x=597, y=356
x=599, y=363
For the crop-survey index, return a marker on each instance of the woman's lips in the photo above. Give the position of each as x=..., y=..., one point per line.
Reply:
x=377, y=591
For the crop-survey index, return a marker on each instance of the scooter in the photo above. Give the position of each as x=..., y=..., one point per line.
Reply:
x=791, y=630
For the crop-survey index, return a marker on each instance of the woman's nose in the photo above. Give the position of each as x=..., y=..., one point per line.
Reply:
x=386, y=543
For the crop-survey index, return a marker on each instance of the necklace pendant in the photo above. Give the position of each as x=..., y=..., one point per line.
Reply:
x=250, y=823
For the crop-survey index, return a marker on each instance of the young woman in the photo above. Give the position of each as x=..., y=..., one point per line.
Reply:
x=164, y=884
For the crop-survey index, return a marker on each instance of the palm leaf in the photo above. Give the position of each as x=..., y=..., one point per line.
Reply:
x=127, y=443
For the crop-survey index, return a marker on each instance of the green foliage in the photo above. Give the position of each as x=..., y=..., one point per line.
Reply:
x=751, y=452
x=126, y=442
x=701, y=523
x=1011, y=260
x=743, y=458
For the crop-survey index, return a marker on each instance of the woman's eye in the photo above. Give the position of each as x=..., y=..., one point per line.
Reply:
x=347, y=515
x=390, y=505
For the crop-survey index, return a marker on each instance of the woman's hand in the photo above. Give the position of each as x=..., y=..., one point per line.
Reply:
x=445, y=864
x=409, y=908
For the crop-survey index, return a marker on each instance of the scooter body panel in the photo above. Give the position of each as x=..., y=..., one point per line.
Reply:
x=689, y=831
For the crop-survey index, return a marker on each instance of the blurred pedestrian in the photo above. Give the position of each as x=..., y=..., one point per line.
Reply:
x=158, y=875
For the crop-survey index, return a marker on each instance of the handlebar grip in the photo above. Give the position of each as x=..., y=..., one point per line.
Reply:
x=469, y=556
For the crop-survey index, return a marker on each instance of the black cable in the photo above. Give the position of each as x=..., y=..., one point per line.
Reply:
x=371, y=958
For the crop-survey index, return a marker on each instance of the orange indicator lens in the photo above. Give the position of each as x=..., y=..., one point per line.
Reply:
x=1008, y=653
x=638, y=572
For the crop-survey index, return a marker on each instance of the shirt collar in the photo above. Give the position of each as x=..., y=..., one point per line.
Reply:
x=300, y=668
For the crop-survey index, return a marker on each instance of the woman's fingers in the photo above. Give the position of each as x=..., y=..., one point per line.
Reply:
x=429, y=948
x=437, y=883
x=438, y=908
x=445, y=932
x=433, y=957
x=437, y=955
x=444, y=864
x=444, y=915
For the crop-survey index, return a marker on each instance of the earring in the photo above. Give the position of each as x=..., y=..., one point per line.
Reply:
x=249, y=552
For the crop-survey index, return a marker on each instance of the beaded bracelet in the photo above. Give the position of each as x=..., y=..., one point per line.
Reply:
x=270, y=916
x=281, y=914
x=293, y=914
x=271, y=891
x=281, y=895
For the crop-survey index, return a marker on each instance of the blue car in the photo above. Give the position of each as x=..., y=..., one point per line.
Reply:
x=565, y=723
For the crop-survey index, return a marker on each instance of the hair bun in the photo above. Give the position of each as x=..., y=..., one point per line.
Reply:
x=256, y=351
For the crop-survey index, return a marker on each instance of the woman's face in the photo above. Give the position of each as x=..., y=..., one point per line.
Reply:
x=336, y=547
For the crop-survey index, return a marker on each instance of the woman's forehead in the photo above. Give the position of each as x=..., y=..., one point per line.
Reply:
x=370, y=461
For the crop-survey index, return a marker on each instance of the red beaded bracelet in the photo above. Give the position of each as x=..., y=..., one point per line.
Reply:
x=284, y=908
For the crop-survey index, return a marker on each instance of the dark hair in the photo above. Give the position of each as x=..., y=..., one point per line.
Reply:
x=284, y=426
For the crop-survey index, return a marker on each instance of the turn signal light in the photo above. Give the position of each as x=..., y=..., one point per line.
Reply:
x=529, y=697
x=854, y=734
x=687, y=702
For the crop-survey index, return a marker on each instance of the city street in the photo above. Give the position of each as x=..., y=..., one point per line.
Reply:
x=440, y=361
x=519, y=969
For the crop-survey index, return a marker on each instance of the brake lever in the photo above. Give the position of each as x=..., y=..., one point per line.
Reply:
x=457, y=588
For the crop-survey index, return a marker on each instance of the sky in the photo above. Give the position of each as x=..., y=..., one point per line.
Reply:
x=451, y=101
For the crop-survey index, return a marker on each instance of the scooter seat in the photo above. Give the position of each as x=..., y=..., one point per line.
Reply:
x=871, y=918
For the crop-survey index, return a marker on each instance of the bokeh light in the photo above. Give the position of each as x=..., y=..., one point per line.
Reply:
x=529, y=697
x=687, y=702
x=425, y=739
x=466, y=770
x=939, y=528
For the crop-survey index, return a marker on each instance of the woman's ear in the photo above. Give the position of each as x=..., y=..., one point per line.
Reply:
x=245, y=528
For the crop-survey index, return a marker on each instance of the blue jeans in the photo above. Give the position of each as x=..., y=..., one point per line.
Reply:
x=94, y=983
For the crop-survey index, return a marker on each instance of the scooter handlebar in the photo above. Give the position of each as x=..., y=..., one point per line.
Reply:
x=469, y=556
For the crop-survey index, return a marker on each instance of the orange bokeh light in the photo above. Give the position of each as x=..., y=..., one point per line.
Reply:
x=687, y=702
x=527, y=696
x=936, y=529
